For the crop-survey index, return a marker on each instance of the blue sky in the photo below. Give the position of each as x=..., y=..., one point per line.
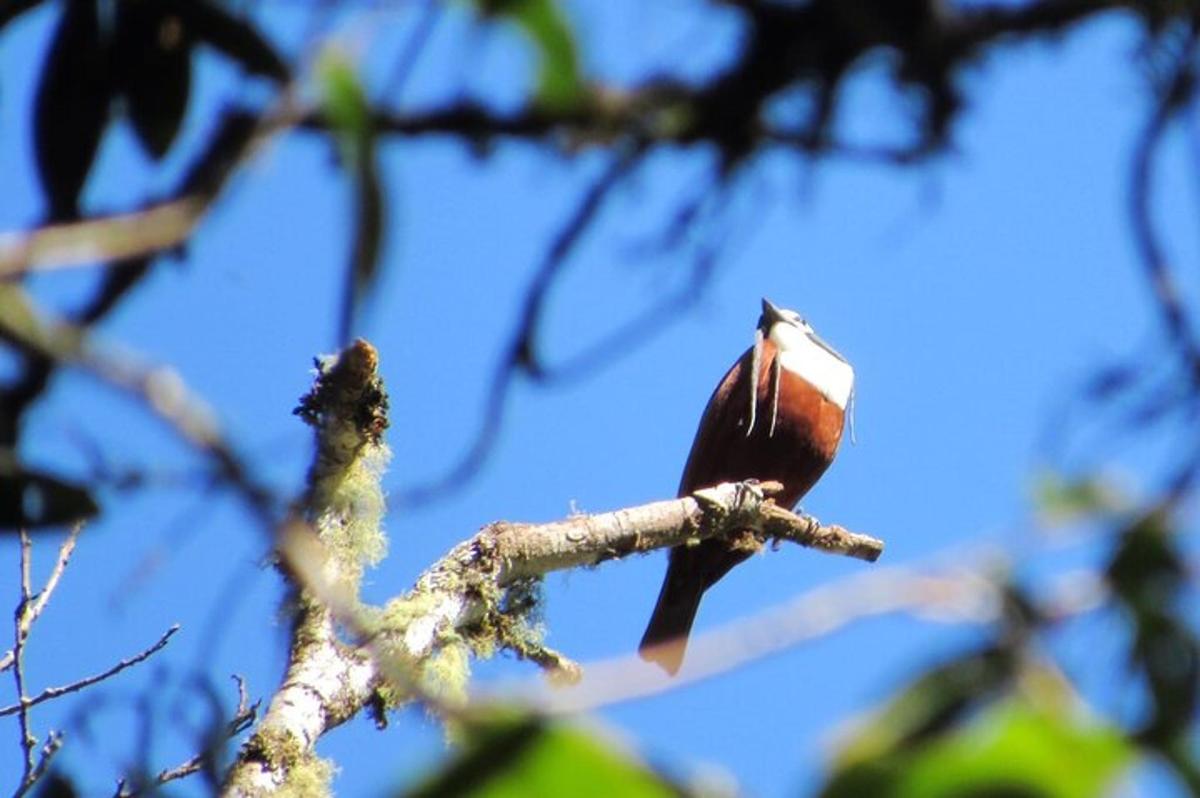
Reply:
x=972, y=296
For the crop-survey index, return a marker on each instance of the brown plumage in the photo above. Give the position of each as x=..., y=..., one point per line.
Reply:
x=793, y=440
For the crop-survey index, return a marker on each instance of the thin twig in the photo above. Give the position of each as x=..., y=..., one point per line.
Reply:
x=54, y=742
x=54, y=692
x=242, y=719
x=35, y=609
x=20, y=632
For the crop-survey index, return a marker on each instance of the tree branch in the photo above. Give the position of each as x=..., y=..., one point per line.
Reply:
x=467, y=596
x=503, y=553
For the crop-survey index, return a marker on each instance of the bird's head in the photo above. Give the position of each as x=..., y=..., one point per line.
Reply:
x=789, y=331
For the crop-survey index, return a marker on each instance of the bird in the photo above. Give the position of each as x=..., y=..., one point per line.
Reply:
x=777, y=415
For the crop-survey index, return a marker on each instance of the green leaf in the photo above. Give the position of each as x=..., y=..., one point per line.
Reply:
x=349, y=115
x=1022, y=749
x=1014, y=749
x=531, y=757
x=560, y=86
x=343, y=98
x=931, y=704
x=1036, y=744
x=1062, y=501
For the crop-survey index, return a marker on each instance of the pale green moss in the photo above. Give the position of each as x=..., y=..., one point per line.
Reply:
x=348, y=509
x=311, y=777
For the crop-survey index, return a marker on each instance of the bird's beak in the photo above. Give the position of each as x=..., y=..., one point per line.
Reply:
x=816, y=339
x=770, y=315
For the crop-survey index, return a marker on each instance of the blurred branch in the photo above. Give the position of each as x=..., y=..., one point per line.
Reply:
x=961, y=595
x=158, y=227
x=126, y=235
x=1175, y=94
x=160, y=390
x=521, y=354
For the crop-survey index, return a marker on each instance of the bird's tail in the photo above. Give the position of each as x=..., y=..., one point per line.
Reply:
x=666, y=635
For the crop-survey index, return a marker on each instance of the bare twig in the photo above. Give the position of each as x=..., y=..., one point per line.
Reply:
x=54, y=742
x=55, y=692
x=43, y=596
x=242, y=719
x=20, y=634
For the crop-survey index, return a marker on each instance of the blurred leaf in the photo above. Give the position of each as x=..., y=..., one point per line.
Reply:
x=530, y=757
x=1147, y=571
x=1060, y=501
x=11, y=9
x=71, y=108
x=349, y=115
x=931, y=704
x=31, y=499
x=56, y=785
x=343, y=98
x=1023, y=746
x=560, y=87
x=1107, y=382
x=236, y=38
x=152, y=50
x=1150, y=576
x=1013, y=749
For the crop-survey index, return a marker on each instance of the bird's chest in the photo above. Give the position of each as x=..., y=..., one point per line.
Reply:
x=772, y=426
x=791, y=436
x=794, y=424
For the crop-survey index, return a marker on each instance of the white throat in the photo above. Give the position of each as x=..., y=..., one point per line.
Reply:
x=807, y=359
